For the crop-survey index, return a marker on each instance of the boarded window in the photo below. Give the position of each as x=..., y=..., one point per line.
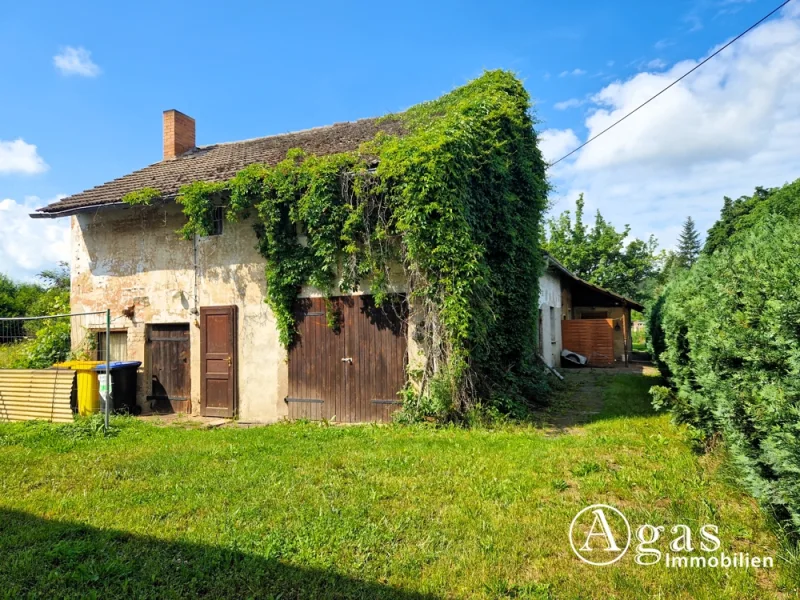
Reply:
x=119, y=345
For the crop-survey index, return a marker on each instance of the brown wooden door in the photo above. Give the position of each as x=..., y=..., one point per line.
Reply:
x=350, y=373
x=377, y=344
x=170, y=368
x=218, y=361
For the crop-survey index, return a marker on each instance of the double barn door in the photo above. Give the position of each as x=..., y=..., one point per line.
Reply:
x=348, y=365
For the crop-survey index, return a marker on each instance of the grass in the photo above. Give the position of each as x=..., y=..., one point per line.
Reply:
x=11, y=354
x=639, y=341
x=309, y=511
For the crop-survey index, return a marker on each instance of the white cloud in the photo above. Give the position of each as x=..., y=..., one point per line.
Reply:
x=554, y=143
x=656, y=64
x=792, y=9
x=731, y=7
x=571, y=103
x=574, y=73
x=76, y=61
x=728, y=127
x=28, y=246
x=20, y=157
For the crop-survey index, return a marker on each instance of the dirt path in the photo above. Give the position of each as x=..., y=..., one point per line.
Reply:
x=582, y=399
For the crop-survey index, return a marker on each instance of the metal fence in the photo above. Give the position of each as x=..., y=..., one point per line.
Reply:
x=47, y=341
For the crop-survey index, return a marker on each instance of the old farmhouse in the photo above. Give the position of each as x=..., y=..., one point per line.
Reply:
x=193, y=309
x=194, y=312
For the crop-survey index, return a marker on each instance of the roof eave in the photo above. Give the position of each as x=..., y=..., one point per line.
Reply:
x=625, y=301
x=67, y=212
x=43, y=213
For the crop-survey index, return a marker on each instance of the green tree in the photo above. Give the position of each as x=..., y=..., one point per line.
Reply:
x=741, y=215
x=689, y=245
x=8, y=297
x=53, y=297
x=599, y=253
x=47, y=341
x=17, y=298
x=667, y=267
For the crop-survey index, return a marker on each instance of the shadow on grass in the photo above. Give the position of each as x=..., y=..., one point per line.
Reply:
x=57, y=559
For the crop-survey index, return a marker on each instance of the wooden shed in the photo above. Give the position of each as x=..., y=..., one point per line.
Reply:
x=595, y=322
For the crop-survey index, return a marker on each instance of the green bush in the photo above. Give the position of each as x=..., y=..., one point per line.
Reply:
x=51, y=345
x=727, y=335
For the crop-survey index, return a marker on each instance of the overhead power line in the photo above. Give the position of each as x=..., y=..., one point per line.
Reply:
x=689, y=72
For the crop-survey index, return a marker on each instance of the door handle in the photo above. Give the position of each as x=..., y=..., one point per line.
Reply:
x=348, y=360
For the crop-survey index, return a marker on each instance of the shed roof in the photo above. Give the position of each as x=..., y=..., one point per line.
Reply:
x=220, y=162
x=620, y=300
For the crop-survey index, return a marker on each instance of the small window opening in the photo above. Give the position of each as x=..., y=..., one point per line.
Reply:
x=541, y=333
x=118, y=343
x=552, y=325
x=217, y=218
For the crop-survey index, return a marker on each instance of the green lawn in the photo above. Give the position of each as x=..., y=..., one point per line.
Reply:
x=308, y=511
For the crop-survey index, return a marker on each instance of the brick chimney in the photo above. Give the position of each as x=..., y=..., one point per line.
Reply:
x=178, y=133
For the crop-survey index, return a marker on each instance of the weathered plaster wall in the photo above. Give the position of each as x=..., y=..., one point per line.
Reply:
x=133, y=257
x=550, y=298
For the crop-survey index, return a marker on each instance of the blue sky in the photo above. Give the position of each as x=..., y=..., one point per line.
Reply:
x=247, y=70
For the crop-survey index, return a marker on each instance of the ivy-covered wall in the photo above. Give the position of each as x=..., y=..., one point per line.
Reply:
x=457, y=199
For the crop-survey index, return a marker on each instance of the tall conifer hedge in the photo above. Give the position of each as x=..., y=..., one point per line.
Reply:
x=727, y=337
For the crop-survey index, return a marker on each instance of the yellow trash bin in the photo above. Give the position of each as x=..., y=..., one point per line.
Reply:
x=88, y=384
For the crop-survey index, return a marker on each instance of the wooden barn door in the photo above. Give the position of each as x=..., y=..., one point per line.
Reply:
x=317, y=384
x=170, y=368
x=218, y=361
x=376, y=342
x=353, y=371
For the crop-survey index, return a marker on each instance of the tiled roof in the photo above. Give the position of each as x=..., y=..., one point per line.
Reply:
x=220, y=162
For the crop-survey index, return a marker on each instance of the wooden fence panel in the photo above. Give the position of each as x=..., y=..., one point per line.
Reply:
x=43, y=394
x=594, y=338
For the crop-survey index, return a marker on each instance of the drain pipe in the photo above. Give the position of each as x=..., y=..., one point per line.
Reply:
x=551, y=369
x=195, y=299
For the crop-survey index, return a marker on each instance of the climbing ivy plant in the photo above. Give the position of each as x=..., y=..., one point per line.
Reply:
x=142, y=197
x=455, y=200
